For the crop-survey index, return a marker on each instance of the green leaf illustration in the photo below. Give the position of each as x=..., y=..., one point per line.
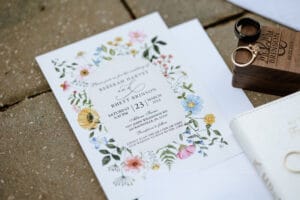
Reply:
x=153, y=40
x=104, y=48
x=195, y=122
x=107, y=58
x=180, y=137
x=171, y=146
x=156, y=49
x=111, y=140
x=212, y=141
x=208, y=132
x=217, y=132
x=161, y=42
x=92, y=134
x=111, y=146
x=106, y=160
x=116, y=157
x=104, y=151
x=168, y=156
x=112, y=52
x=119, y=151
x=146, y=53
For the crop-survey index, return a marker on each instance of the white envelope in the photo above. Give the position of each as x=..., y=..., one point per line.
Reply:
x=235, y=178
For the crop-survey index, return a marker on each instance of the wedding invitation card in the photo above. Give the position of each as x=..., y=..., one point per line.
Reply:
x=136, y=107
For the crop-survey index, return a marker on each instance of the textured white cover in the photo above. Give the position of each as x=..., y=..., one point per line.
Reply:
x=267, y=134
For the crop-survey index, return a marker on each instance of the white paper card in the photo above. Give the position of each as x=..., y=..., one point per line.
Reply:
x=285, y=12
x=191, y=132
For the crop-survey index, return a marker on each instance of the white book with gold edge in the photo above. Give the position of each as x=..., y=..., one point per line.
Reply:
x=270, y=136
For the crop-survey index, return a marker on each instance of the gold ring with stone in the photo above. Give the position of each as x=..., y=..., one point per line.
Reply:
x=253, y=49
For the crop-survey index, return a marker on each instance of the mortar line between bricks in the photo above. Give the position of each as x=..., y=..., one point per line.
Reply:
x=225, y=20
x=8, y=106
x=127, y=7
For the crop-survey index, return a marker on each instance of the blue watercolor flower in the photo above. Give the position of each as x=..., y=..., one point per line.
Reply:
x=192, y=104
x=99, y=49
x=104, y=140
x=187, y=131
x=96, y=61
x=95, y=142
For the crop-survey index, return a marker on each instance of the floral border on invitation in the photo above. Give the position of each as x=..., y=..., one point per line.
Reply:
x=199, y=134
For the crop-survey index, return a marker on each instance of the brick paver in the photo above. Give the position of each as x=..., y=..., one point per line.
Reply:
x=41, y=28
x=178, y=11
x=40, y=156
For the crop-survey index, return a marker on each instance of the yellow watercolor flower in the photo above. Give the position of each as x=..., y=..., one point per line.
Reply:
x=118, y=39
x=155, y=167
x=133, y=52
x=80, y=53
x=209, y=119
x=110, y=43
x=129, y=44
x=84, y=72
x=88, y=118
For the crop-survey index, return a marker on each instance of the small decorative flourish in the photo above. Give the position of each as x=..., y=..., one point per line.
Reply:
x=123, y=181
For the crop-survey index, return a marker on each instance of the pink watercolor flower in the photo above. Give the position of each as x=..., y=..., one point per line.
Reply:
x=65, y=85
x=133, y=163
x=137, y=36
x=185, y=151
x=163, y=56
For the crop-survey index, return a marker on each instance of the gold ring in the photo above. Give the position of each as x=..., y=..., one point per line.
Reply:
x=253, y=49
x=293, y=170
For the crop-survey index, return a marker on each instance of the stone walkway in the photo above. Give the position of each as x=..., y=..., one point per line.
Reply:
x=39, y=155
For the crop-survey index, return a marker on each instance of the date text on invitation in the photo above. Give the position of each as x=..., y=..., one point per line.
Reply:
x=136, y=104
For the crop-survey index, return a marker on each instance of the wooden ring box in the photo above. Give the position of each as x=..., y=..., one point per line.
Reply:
x=276, y=69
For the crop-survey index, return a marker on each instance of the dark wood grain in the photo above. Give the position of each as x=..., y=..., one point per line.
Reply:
x=276, y=69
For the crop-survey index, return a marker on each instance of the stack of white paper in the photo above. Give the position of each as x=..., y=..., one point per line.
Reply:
x=150, y=108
